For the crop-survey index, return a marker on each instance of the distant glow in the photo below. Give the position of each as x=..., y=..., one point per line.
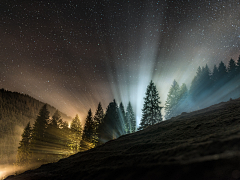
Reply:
x=7, y=170
x=3, y=174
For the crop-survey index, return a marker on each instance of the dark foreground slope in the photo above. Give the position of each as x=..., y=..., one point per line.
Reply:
x=204, y=144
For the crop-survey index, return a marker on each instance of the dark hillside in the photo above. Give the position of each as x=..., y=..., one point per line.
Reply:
x=200, y=145
x=16, y=110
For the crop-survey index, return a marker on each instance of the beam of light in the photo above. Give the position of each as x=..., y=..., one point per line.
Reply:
x=156, y=47
x=2, y=174
x=66, y=98
x=9, y=147
x=87, y=146
x=110, y=134
x=58, y=145
x=7, y=170
x=153, y=61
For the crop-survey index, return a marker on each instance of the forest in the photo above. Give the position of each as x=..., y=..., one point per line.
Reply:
x=207, y=88
x=16, y=110
x=48, y=137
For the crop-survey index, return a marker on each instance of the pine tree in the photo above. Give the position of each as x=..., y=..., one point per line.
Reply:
x=231, y=69
x=131, y=118
x=119, y=123
x=172, y=100
x=196, y=85
x=76, y=135
x=111, y=128
x=53, y=138
x=222, y=76
x=88, y=137
x=238, y=67
x=123, y=119
x=37, y=146
x=69, y=139
x=23, y=153
x=151, y=112
x=206, y=80
x=99, y=115
x=183, y=103
x=57, y=120
x=98, y=119
x=237, y=79
x=205, y=84
x=214, y=77
x=222, y=71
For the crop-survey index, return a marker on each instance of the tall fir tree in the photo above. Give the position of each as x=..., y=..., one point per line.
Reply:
x=183, y=103
x=222, y=69
x=37, y=146
x=151, y=112
x=68, y=139
x=131, y=118
x=111, y=128
x=98, y=119
x=205, y=84
x=196, y=85
x=53, y=138
x=199, y=88
x=23, y=152
x=76, y=135
x=57, y=120
x=214, y=76
x=206, y=80
x=123, y=119
x=172, y=100
x=238, y=75
x=232, y=68
x=89, y=131
x=238, y=66
x=99, y=115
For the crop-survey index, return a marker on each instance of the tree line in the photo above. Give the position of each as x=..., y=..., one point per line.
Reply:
x=50, y=138
x=206, y=88
x=16, y=110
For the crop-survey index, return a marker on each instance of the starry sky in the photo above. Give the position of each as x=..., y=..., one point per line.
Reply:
x=74, y=54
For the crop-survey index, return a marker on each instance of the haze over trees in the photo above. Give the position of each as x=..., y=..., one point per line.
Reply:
x=75, y=135
x=130, y=119
x=50, y=138
x=98, y=120
x=112, y=125
x=206, y=88
x=89, y=133
x=23, y=154
x=176, y=99
x=16, y=111
x=47, y=140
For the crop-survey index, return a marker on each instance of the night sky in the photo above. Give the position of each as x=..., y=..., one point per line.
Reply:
x=74, y=54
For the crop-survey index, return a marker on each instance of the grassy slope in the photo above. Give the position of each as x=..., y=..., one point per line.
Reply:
x=200, y=145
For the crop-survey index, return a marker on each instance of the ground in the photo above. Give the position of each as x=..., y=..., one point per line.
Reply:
x=204, y=144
